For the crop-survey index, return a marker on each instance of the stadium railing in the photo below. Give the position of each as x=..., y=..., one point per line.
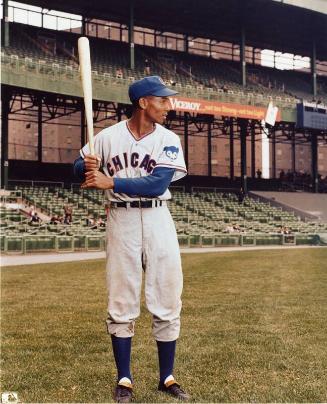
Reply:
x=38, y=243
x=54, y=76
x=37, y=183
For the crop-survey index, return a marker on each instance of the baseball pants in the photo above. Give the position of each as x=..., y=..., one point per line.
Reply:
x=143, y=239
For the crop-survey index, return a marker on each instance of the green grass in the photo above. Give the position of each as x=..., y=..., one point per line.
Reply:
x=253, y=330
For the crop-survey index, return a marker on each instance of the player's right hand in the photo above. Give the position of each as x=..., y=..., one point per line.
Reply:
x=92, y=162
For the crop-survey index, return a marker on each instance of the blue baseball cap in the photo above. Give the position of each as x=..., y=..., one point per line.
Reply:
x=150, y=85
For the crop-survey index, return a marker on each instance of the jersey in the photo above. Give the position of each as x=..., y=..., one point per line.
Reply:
x=124, y=156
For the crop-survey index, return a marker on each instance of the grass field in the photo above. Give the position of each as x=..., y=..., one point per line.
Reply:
x=253, y=329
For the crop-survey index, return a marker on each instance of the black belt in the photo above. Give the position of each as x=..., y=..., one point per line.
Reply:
x=137, y=204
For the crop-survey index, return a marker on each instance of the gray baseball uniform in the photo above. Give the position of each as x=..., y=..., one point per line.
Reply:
x=140, y=238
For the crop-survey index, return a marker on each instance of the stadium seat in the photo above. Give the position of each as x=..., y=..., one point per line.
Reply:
x=2, y=242
x=79, y=242
x=65, y=243
x=15, y=244
x=94, y=243
x=203, y=218
x=204, y=69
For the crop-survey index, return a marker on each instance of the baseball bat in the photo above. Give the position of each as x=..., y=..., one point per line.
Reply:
x=85, y=67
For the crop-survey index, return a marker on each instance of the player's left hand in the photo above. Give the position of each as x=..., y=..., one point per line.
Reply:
x=96, y=179
x=92, y=162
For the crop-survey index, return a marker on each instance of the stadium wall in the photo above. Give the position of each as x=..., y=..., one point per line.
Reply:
x=22, y=170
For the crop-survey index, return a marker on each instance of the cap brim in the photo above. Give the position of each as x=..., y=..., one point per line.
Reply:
x=164, y=92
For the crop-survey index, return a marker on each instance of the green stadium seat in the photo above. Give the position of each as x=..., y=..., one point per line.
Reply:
x=40, y=243
x=2, y=243
x=224, y=240
x=79, y=242
x=208, y=241
x=268, y=239
x=94, y=243
x=65, y=243
x=183, y=240
x=15, y=244
x=195, y=240
x=247, y=240
x=289, y=239
x=309, y=239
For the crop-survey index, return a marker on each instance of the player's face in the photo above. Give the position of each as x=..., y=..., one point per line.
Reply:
x=157, y=108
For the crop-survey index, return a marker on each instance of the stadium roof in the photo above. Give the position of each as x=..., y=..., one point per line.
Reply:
x=268, y=24
x=315, y=5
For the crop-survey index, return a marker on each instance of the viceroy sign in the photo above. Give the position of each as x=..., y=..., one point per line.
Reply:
x=219, y=108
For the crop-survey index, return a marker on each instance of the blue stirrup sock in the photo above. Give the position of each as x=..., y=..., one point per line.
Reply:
x=166, y=355
x=122, y=353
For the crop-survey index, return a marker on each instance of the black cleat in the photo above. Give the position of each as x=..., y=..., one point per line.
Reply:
x=174, y=389
x=123, y=393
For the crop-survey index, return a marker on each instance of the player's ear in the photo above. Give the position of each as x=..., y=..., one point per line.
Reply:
x=143, y=103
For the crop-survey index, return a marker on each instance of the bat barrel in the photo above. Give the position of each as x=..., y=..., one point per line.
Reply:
x=86, y=77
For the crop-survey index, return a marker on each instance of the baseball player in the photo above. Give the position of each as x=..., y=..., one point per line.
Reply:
x=135, y=161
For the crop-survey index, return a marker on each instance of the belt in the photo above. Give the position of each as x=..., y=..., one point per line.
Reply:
x=138, y=204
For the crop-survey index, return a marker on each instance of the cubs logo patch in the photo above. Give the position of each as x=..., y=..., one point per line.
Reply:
x=171, y=152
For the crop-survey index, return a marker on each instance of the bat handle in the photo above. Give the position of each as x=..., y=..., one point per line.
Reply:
x=91, y=143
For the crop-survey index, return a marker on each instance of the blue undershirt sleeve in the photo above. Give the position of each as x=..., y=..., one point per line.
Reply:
x=151, y=186
x=79, y=169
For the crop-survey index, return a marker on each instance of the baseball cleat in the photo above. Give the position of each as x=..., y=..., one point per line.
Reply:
x=123, y=393
x=174, y=389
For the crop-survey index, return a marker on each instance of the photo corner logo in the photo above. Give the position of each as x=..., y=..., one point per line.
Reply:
x=9, y=397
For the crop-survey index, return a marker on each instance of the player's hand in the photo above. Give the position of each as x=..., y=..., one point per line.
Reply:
x=96, y=179
x=92, y=162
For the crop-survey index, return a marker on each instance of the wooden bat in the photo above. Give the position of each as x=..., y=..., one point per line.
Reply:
x=85, y=67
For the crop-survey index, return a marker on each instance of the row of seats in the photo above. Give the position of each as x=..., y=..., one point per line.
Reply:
x=53, y=200
x=13, y=243
x=12, y=215
x=212, y=213
x=204, y=219
x=203, y=74
x=107, y=75
x=200, y=218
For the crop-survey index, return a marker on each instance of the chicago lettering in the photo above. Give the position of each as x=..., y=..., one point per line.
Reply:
x=124, y=161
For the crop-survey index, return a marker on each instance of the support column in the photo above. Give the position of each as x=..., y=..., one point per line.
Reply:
x=131, y=34
x=5, y=101
x=265, y=155
x=243, y=129
x=242, y=57
x=293, y=153
x=253, y=150
x=313, y=69
x=273, y=153
x=231, y=149
x=5, y=26
x=39, y=130
x=314, y=162
x=186, y=138
x=155, y=39
x=186, y=43
x=121, y=33
x=83, y=26
x=209, y=150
